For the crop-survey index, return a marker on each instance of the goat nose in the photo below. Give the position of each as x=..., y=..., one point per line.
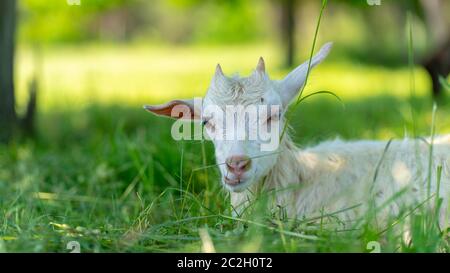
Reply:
x=238, y=164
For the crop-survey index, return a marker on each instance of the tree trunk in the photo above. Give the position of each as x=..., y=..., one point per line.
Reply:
x=288, y=30
x=437, y=63
x=7, y=39
x=28, y=120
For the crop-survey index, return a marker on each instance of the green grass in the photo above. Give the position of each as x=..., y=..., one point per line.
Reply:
x=109, y=177
x=103, y=172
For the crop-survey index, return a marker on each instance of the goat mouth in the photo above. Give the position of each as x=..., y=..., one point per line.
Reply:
x=232, y=182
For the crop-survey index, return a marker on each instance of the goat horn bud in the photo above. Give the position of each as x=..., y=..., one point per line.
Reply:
x=261, y=67
x=219, y=71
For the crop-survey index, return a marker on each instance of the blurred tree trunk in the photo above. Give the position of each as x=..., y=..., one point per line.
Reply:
x=288, y=30
x=8, y=117
x=437, y=63
x=28, y=120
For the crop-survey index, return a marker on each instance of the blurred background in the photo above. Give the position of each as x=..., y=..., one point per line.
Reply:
x=138, y=51
x=75, y=74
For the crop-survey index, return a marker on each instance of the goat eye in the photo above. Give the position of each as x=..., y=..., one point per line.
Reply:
x=208, y=125
x=272, y=117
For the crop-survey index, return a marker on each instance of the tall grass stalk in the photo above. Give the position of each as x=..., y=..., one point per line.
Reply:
x=412, y=82
x=316, y=32
x=430, y=151
x=205, y=163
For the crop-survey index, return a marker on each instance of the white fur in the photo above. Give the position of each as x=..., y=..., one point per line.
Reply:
x=335, y=175
x=331, y=176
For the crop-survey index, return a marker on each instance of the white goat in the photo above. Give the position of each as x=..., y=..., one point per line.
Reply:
x=331, y=176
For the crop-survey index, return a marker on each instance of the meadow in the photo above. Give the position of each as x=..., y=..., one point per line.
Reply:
x=103, y=172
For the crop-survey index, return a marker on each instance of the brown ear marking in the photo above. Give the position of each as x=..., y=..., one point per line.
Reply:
x=166, y=109
x=163, y=111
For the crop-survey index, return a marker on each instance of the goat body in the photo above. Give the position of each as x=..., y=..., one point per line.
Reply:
x=331, y=176
x=336, y=175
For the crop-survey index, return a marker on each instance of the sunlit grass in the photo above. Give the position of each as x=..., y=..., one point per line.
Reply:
x=109, y=178
x=107, y=174
x=133, y=75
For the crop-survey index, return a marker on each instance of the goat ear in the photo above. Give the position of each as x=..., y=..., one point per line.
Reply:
x=177, y=109
x=291, y=84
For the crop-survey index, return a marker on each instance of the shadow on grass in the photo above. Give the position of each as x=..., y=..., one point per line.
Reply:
x=127, y=139
x=100, y=169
